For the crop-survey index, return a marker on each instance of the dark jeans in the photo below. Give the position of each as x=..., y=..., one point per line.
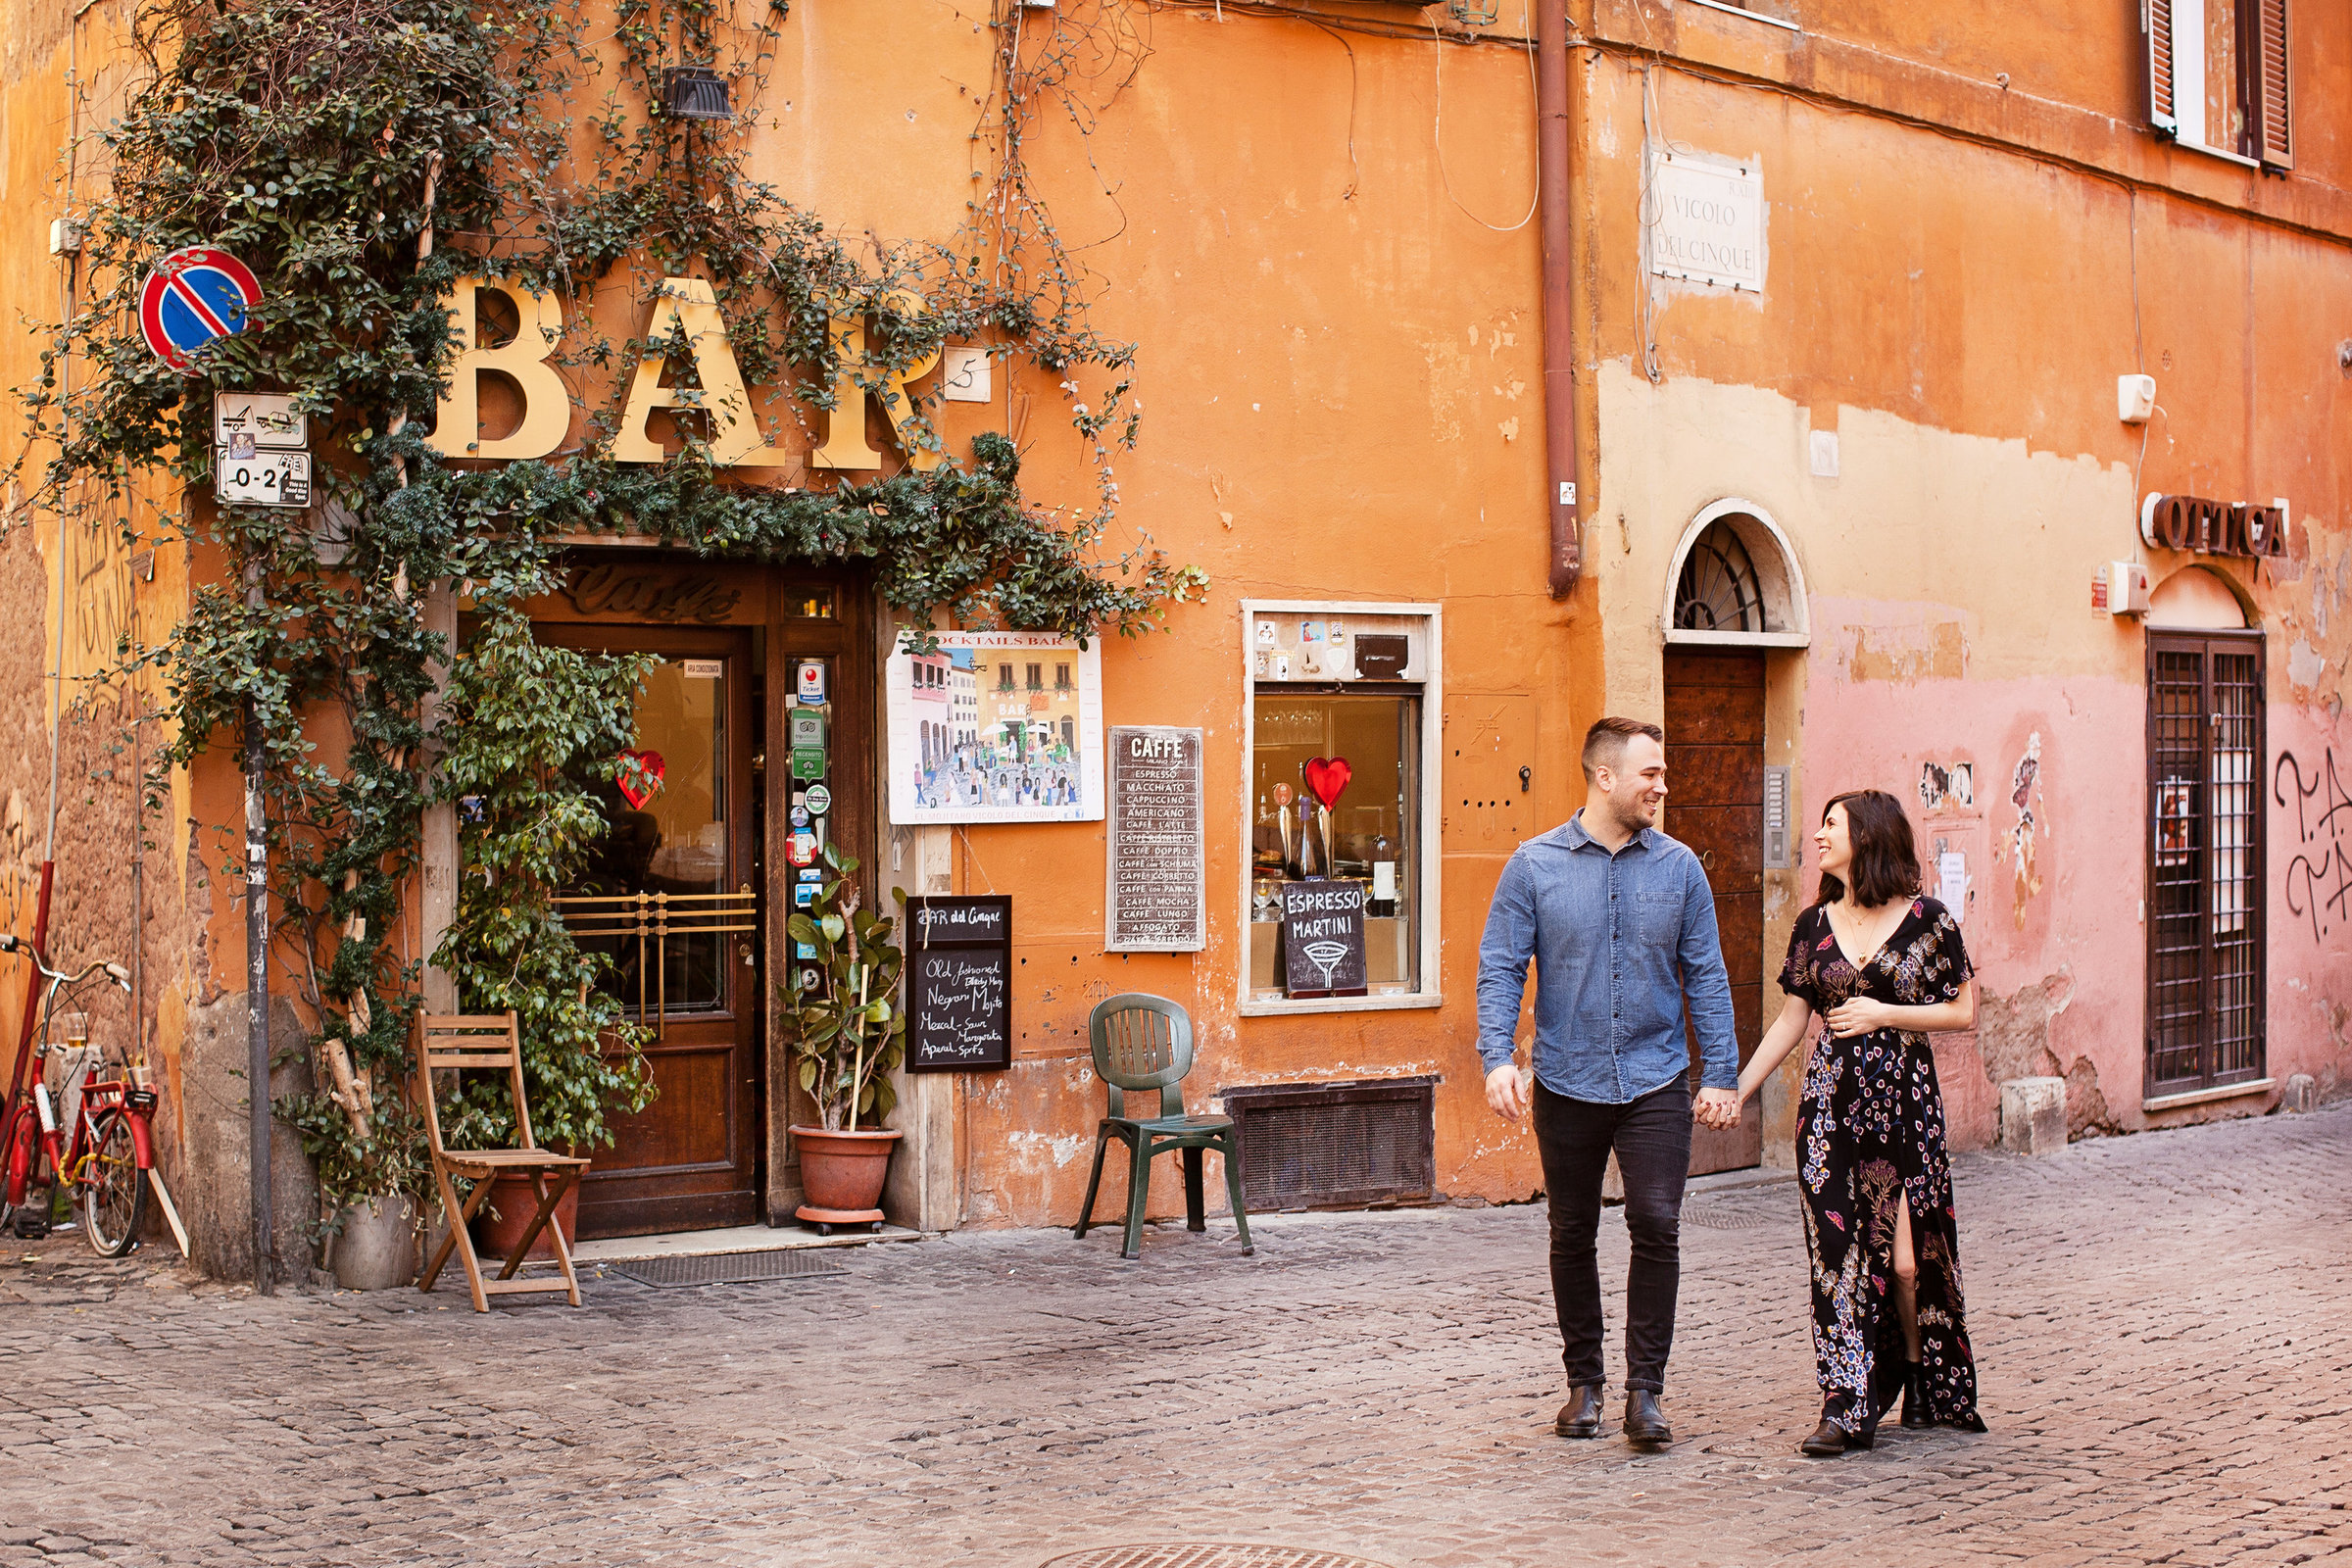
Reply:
x=1652, y=1139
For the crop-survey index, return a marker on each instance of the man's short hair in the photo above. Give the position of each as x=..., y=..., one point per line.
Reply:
x=1605, y=741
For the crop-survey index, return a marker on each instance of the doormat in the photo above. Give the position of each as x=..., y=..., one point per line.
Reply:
x=728, y=1268
x=1197, y=1554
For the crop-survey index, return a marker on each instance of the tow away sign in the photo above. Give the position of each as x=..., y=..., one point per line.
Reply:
x=245, y=421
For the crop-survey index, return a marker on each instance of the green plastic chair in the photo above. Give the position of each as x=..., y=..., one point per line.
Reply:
x=1144, y=1041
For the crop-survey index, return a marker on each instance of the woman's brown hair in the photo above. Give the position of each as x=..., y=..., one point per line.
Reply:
x=1885, y=859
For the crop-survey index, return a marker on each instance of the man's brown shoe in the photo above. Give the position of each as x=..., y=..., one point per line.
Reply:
x=1580, y=1417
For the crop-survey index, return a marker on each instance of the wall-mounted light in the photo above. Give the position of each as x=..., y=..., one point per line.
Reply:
x=694, y=92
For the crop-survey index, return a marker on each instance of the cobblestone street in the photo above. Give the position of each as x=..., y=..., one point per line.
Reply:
x=2161, y=1323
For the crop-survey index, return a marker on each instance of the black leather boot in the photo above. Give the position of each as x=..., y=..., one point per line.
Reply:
x=1915, y=1397
x=1580, y=1417
x=1645, y=1422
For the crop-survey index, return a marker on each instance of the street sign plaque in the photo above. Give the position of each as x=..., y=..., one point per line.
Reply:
x=264, y=418
x=266, y=479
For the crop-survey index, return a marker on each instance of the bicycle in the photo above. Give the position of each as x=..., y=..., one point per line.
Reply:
x=112, y=1147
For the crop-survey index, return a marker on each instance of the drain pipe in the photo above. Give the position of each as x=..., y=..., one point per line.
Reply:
x=1566, y=557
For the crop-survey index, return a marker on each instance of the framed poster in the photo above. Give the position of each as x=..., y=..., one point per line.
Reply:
x=995, y=726
x=1158, y=897
x=958, y=983
x=2176, y=824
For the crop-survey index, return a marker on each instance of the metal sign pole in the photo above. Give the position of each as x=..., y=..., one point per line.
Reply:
x=257, y=971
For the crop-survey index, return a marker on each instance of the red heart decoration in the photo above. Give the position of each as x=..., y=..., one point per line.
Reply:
x=640, y=777
x=1326, y=776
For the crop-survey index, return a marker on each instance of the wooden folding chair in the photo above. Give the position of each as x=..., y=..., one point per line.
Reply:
x=490, y=1041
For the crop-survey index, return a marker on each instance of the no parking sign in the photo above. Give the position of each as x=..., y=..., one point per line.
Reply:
x=194, y=297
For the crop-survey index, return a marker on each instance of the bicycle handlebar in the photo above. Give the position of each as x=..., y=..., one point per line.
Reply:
x=9, y=942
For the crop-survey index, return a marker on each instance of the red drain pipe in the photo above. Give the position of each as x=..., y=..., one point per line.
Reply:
x=1560, y=497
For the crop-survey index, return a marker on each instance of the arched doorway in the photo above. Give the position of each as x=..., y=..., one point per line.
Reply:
x=1734, y=593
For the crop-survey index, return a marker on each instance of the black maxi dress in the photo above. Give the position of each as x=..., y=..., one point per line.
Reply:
x=1869, y=1133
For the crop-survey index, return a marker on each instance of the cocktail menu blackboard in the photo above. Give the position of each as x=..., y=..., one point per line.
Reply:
x=1323, y=938
x=1158, y=896
x=958, y=983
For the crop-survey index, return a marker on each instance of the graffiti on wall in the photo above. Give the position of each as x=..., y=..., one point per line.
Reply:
x=2025, y=794
x=2319, y=879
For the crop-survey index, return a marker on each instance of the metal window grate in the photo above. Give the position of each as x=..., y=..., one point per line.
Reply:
x=729, y=1268
x=1335, y=1145
x=2205, y=821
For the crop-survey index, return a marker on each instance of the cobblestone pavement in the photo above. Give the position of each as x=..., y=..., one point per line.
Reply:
x=2162, y=1324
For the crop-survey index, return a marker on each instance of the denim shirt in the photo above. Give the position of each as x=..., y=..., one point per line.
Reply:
x=1618, y=941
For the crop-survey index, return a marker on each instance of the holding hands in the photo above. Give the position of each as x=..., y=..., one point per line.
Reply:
x=1717, y=1108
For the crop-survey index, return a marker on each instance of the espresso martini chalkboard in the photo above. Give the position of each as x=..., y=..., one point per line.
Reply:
x=1323, y=938
x=958, y=983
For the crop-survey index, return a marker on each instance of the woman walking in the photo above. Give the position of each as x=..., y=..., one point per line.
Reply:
x=1882, y=969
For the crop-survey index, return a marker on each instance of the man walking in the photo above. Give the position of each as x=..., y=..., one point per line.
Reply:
x=1621, y=926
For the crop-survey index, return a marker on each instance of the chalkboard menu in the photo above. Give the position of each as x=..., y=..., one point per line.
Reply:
x=1323, y=938
x=1159, y=897
x=958, y=983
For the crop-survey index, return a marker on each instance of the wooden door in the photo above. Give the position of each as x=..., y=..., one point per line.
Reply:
x=1715, y=804
x=672, y=899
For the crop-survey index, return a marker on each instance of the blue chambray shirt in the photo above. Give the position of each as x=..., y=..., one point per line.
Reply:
x=1618, y=941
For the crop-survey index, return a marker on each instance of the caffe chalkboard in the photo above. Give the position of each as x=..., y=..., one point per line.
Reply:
x=958, y=983
x=1157, y=895
x=1323, y=938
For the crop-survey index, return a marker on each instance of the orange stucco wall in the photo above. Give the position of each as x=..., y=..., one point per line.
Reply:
x=1338, y=327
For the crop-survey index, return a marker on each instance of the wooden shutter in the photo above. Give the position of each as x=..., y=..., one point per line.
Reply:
x=2156, y=19
x=2270, y=84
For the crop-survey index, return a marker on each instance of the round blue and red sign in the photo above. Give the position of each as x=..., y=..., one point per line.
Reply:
x=195, y=297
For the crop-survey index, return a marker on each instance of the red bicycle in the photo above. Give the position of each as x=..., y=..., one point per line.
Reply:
x=104, y=1157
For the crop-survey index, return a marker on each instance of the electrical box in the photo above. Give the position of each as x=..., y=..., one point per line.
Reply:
x=2135, y=398
x=2119, y=588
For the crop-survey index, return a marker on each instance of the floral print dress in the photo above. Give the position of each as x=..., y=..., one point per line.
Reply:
x=1869, y=1134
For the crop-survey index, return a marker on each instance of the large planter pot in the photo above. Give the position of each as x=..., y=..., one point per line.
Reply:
x=511, y=1196
x=376, y=1248
x=843, y=1175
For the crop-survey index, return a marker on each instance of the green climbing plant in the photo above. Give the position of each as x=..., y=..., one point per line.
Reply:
x=363, y=155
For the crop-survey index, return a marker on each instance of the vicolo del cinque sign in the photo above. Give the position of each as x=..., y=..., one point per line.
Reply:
x=683, y=306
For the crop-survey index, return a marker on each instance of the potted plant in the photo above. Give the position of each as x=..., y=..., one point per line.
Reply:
x=373, y=1177
x=527, y=727
x=848, y=1033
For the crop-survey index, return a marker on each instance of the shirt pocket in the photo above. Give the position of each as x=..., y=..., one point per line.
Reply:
x=1658, y=917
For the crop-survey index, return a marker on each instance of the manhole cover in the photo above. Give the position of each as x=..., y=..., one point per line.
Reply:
x=728, y=1268
x=1195, y=1554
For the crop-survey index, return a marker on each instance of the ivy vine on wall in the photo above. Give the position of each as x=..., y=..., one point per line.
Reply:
x=361, y=156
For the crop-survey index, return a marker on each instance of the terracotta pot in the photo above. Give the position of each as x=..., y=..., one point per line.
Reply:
x=842, y=1172
x=511, y=1196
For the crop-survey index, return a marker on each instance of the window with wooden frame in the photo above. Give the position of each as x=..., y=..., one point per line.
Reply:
x=2206, y=975
x=1339, y=807
x=2219, y=77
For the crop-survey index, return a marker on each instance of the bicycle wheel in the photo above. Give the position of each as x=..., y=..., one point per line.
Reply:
x=112, y=1188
